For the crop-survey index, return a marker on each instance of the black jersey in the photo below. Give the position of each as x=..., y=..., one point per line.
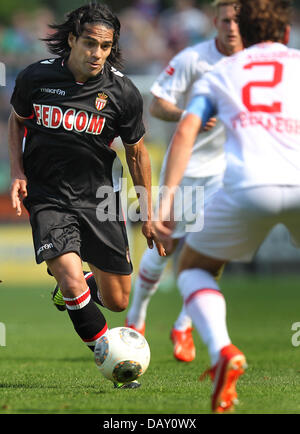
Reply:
x=70, y=127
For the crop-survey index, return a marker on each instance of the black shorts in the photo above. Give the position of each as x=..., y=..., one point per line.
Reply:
x=57, y=230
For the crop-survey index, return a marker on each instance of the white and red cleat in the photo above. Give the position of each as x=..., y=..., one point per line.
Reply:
x=231, y=365
x=184, y=348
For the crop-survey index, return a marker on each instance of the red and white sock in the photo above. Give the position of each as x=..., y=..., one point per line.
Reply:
x=151, y=268
x=78, y=302
x=206, y=305
x=87, y=318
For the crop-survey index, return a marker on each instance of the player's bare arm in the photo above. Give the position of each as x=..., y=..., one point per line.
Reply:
x=164, y=110
x=139, y=165
x=178, y=159
x=18, y=178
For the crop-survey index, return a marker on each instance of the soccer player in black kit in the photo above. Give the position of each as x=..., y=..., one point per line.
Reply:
x=66, y=113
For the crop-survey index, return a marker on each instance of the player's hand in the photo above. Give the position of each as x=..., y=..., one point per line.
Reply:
x=149, y=233
x=210, y=124
x=163, y=230
x=18, y=192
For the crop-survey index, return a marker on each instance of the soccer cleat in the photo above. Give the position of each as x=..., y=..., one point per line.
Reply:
x=184, y=348
x=231, y=365
x=132, y=385
x=58, y=300
x=139, y=330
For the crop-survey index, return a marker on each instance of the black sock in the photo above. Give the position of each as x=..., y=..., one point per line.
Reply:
x=86, y=317
x=91, y=282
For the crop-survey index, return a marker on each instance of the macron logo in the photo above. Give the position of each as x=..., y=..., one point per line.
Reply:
x=53, y=91
x=44, y=247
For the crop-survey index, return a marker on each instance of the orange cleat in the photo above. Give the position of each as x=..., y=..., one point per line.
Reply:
x=184, y=348
x=140, y=330
x=231, y=365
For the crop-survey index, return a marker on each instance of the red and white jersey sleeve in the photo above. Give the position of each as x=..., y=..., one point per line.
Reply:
x=175, y=84
x=256, y=93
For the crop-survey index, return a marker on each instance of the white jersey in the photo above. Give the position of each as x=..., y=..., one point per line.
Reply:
x=256, y=94
x=175, y=85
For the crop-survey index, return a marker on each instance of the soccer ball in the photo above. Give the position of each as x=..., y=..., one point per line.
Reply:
x=122, y=355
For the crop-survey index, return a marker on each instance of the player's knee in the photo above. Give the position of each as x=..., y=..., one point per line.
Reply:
x=117, y=308
x=118, y=305
x=72, y=286
x=121, y=306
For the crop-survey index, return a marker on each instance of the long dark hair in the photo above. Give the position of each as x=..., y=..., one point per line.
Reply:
x=93, y=12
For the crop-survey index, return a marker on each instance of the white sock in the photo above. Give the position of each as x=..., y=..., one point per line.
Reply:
x=183, y=321
x=207, y=307
x=151, y=268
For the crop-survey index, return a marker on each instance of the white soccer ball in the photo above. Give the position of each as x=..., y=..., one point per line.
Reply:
x=122, y=355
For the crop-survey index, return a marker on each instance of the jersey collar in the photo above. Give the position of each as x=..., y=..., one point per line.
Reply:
x=64, y=65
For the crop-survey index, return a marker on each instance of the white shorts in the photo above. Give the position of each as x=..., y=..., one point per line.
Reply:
x=193, y=195
x=237, y=222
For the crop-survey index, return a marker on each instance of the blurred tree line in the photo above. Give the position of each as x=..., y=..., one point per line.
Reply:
x=9, y=7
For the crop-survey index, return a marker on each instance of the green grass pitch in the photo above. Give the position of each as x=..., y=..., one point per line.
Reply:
x=44, y=367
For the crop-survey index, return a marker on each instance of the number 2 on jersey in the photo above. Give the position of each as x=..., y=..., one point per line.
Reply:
x=246, y=91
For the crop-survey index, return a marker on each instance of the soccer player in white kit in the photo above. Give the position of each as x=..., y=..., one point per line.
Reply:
x=171, y=91
x=255, y=94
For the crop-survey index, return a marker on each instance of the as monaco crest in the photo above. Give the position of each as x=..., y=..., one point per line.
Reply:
x=101, y=101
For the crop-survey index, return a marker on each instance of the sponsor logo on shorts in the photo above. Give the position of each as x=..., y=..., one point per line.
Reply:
x=44, y=247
